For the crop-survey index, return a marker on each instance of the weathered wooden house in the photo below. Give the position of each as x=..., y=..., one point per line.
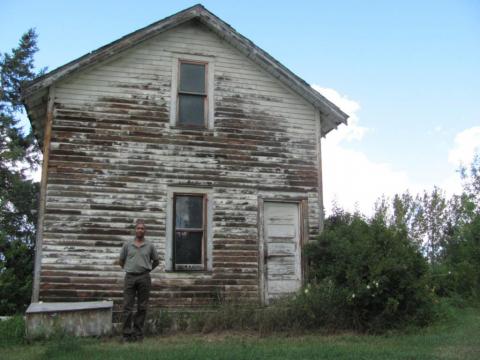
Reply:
x=189, y=125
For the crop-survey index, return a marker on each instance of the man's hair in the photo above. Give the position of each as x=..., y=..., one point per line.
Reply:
x=139, y=222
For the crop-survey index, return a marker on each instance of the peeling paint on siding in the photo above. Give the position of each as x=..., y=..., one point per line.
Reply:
x=113, y=155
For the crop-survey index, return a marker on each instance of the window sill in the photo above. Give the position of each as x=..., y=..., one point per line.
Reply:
x=170, y=274
x=196, y=130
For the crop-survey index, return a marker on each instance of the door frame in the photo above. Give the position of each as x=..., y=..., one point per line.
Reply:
x=302, y=203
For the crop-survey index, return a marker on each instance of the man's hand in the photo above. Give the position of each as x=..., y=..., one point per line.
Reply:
x=119, y=262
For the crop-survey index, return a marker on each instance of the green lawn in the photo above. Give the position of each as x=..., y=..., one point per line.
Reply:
x=458, y=338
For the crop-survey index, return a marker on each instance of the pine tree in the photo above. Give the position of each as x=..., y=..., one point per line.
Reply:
x=18, y=194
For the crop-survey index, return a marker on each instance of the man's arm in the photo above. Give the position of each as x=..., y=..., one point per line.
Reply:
x=123, y=256
x=154, y=257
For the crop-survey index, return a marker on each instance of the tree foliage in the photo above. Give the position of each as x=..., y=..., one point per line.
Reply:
x=18, y=193
x=461, y=255
x=387, y=270
x=381, y=275
x=446, y=230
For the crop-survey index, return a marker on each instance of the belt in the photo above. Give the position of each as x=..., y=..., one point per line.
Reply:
x=137, y=274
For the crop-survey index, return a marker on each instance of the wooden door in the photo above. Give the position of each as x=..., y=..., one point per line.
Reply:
x=281, y=249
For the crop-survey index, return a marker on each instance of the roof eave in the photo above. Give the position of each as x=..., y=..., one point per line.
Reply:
x=112, y=48
x=274, y=67
x=334, y=115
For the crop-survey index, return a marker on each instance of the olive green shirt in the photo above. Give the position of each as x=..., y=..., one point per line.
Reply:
x=138, y=260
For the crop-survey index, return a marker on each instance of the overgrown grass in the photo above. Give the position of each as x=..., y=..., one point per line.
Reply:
x=456, y=337
x=289, y=315
x=12, y=331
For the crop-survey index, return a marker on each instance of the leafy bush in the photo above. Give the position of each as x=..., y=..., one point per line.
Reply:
x=378, y=278
x=12, y=331
x=462, y=262
x=319, y=305
x=16, y=268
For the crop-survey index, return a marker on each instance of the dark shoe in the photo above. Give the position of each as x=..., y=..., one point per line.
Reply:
x=137, y=337
x=127, y=339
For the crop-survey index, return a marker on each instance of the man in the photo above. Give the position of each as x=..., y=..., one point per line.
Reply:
x=137, y=258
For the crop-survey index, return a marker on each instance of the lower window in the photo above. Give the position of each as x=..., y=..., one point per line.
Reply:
x=189, y=234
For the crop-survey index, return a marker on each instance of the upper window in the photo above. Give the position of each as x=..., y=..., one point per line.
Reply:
x=189, y=232
x=192, y=92
x=192, y=95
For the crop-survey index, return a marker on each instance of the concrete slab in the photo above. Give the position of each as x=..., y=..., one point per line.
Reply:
x=65, y=306
x=92, y=318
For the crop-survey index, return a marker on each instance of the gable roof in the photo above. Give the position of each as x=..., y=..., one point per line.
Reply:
x=332, y=116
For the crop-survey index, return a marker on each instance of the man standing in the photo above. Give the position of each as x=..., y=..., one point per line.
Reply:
x=137, y=258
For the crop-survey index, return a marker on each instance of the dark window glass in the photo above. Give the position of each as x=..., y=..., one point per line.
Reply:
x=188, y=247
x=191, y=110
x=189, y=212
x=192, y=94
x=189, y=232
x=192, y=78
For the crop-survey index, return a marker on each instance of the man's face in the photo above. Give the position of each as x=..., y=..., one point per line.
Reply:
x=140, y=231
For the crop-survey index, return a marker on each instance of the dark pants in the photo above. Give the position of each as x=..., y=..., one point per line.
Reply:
x=135, y=286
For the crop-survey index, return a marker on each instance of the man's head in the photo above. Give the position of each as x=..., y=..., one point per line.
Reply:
x=140, y=229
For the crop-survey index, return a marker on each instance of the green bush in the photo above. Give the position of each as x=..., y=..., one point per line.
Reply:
x=377, y=278
x=319, y=305
x=160, y=322
x=443, y=281
x=12, y=331
x=462, y=263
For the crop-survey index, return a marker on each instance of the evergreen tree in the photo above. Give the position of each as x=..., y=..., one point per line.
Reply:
x=18, y=194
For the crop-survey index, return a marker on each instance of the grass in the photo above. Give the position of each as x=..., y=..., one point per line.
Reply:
x=455, y=338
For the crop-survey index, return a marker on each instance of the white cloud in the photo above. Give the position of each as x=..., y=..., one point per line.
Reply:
x=466, y=145
x=350, y=178
x=354, y=181
x=351, y=132
x=452, y=184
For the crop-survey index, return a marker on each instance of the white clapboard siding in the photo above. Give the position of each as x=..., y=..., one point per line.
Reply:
x=114, y=155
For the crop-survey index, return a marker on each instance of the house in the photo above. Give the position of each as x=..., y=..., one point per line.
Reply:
x=189, y=125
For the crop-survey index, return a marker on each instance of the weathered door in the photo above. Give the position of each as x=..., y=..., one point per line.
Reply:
x=282, y=270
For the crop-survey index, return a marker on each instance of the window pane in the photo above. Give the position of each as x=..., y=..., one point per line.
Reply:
x=188, y=212
x=192, y=77
x=191, y=110
x=188, y=247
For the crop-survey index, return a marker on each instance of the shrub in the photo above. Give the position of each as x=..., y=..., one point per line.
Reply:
x=319, y=305
x=462, y=262
x=379, y=279
x=12, y=331
x=160, y=322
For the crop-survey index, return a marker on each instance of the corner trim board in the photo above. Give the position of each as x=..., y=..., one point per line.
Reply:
x=43, y=194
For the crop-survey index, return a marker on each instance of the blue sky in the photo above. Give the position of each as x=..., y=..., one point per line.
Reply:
x=407, y=71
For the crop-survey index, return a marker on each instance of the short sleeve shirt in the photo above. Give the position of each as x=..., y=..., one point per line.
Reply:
x=138, y=259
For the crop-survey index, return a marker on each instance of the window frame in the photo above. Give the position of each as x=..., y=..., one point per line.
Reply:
x=204, y=95
x=209, y=62
x=207, y=192
x=203, y=230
